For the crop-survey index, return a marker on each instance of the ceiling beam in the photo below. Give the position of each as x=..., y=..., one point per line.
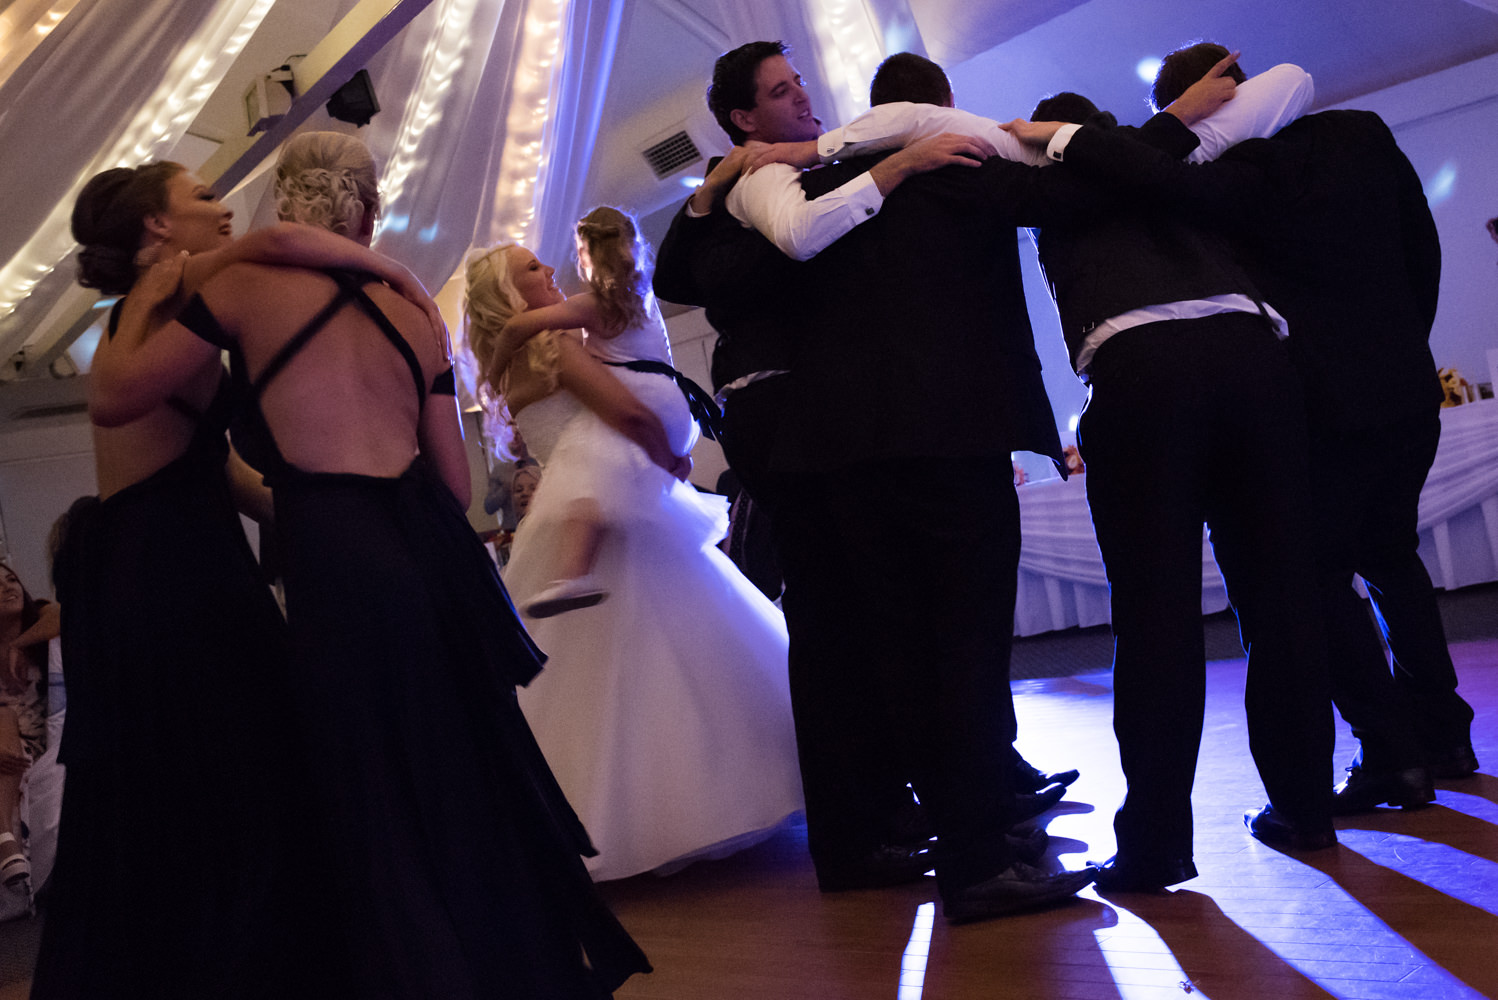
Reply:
x=331, y=63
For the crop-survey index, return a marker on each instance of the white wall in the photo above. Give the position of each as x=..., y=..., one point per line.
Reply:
x=45, y=464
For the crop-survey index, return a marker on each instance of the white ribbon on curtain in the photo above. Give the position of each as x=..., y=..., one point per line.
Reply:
x=127, y=80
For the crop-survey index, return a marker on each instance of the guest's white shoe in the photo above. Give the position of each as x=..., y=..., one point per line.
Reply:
x=565, y=595
x=14, y=868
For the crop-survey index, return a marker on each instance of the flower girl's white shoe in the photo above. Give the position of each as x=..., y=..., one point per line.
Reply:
x=565, y=595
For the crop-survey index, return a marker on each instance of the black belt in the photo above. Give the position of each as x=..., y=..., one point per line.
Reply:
x=699, y=400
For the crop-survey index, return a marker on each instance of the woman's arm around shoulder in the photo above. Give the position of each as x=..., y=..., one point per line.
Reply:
x=575, y=313
x=150, y=354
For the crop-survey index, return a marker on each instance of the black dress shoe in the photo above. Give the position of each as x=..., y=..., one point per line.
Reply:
x=1366, y=789
x=878, y=868
x=1277, y=831
x=1119, y=874
x=1028, y=805
x=1018, y=887
x=1028, y=845
x=1029, y=778
x=1454, y=762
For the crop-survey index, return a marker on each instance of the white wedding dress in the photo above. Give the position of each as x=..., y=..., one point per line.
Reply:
x=664, y=711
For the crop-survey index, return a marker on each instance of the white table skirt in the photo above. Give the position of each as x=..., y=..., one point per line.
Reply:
x=1061, y=578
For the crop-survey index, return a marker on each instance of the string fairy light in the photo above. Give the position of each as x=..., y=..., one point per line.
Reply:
x=191, y=76
x=441, y=61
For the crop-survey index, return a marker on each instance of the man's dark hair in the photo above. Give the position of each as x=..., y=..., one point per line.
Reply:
x=732, y=88
x=1069, y=107
x=906, y=76
x=1185, y=66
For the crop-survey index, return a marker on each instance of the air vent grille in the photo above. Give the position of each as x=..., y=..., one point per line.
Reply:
x=672, y=153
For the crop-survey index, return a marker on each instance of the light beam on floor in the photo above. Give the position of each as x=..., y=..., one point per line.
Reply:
x=917, y=951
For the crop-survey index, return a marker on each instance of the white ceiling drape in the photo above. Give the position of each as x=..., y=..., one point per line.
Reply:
x=114, y=84
x=589, y=41
x=445, y=142
x=443, y=86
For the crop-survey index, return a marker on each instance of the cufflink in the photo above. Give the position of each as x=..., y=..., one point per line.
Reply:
x=868, y=211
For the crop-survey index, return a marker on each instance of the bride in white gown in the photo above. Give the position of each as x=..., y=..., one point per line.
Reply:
x=664, y=708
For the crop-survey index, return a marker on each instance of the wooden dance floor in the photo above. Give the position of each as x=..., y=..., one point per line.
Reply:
x=1405, y=907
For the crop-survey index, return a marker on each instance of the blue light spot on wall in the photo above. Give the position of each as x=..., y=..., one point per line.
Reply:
x=1442, y=185
x=428, y=234
x=1147, y=68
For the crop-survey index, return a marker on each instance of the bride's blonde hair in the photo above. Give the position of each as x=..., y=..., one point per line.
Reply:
x=327, y=179
x=490, y=300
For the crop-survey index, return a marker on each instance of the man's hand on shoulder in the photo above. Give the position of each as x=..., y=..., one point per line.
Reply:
x=932, y=153
x=720, y=180
x=1206, y=95
x=1038, y=134
x=798, y=154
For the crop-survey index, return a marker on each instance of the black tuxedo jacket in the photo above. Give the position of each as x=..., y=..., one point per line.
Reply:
x=1331, y=222
x=1134, y=257
x=755, y=297
x=921, y=345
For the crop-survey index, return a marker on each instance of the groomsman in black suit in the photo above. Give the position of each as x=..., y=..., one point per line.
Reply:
x=1333, y=224
x=1194, y=416
x=1329, y=218
x=763, y=307
x=920, y=355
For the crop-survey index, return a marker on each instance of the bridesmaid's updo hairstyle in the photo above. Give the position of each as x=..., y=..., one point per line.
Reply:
x=109, y=220
x=327, y=179
x=621, y=265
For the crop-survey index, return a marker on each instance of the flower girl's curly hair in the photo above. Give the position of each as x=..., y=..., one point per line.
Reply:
x=609, y=240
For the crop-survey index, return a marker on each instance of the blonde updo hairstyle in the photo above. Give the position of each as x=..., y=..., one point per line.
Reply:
x=620, y=274
x=491, y=300
x=327, y=179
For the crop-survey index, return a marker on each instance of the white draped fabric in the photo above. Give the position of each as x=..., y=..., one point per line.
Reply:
x=1061, y=578
x=127, y=79
x=591, y=35
x=1459, y=505
x=457, y=93
x=443, y=85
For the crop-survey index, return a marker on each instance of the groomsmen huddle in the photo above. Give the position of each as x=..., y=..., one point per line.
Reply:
x=900, y=333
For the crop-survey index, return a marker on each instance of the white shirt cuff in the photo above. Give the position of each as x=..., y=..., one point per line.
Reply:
x=828, y=144
x=864, y=199
x=1056, y=149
